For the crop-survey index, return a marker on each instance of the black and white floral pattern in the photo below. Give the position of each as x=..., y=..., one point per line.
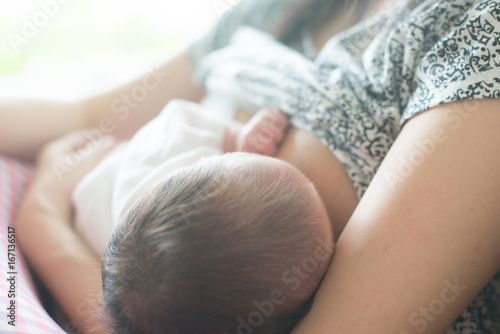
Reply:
x=365, y=83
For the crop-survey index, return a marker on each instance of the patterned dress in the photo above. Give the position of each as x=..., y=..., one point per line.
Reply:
x=357, y=92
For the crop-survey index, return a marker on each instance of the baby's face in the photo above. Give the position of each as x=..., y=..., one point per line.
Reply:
x=267, y=167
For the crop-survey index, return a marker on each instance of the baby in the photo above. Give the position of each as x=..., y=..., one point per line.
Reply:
x=182, y=134
x=231, y=243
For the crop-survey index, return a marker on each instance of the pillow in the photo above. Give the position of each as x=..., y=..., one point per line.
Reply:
x=20, y=304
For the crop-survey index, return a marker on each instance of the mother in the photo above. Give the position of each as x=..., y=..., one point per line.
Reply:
x=423, y=240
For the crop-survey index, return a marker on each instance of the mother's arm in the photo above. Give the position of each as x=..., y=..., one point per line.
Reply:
x=425, y=238
x=61, y=259
x=26, y=125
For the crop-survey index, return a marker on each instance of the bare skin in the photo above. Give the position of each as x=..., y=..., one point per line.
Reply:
x=409, y=240
x=400, y=245
x=27, y=124
x=262, y=134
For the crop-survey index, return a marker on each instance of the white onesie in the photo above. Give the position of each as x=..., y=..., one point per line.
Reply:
x=180, y=135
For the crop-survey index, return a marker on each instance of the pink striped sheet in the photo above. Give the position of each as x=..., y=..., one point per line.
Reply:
x=30, y=317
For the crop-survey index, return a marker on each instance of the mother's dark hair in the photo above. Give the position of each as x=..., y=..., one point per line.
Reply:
x=310, y=14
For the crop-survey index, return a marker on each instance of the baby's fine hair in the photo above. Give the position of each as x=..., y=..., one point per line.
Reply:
x=215, y=248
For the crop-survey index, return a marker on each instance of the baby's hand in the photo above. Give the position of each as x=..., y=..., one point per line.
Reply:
x=263, y=133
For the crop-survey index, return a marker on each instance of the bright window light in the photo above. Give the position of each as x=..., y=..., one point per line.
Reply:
x=50, y=43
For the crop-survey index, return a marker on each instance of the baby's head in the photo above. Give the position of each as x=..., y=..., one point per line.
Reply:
x=233, y=244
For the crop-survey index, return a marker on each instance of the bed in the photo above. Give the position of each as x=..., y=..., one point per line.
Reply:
x=28, y=314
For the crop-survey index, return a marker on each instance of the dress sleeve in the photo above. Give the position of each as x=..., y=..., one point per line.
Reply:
x=260, y=14
x=464, y=63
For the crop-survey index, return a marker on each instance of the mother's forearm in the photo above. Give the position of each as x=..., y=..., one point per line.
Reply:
x=124, y=109
x=27, y=124
x=59, y=257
